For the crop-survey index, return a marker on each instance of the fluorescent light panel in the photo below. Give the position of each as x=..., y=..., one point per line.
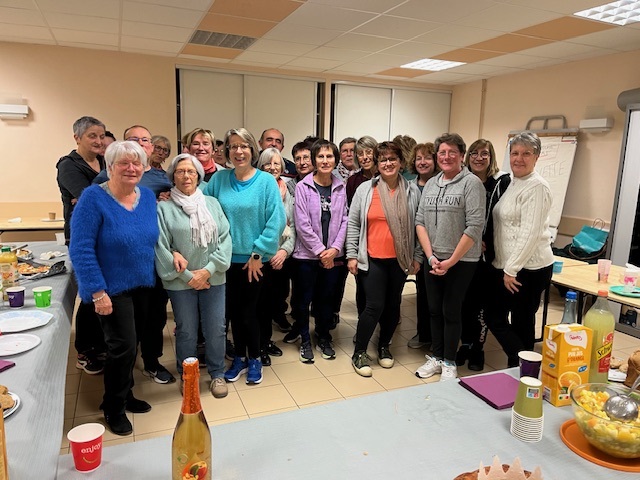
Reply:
x=431, y=65
x=622, y=12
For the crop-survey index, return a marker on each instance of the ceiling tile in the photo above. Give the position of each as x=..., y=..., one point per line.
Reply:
x=446, y=76
x=201, y=5
x=322, y=15
x=235, y=25
x=558, y=50
x=158, y=32
x=76, y=36
x=466, y=55
x=386, y=60
x=418, y=50
x=376, y=6
x=402, y=72
x=151, y=44
x=178, y=17
x=273, y=10
x=276, y=46
x=479, y=69
x=565, y=6
x=509, y=43
x=18, y=4
x=207, y=51
x=314, y=63
x=564, y=28
x=25, y=31
x=37, y=41
x=83, y=23
x=357, y=68
x=439, y=11
x=366, y=43
x=90, y=8
x=20, y=16
x=396, y=27
x=208, y=59
x=92, y=46
x=623, y=39
x=301, y=34
x=507, y=18
x=456, y=35
x=512, y=60
x=327, y=53
x=260, y=57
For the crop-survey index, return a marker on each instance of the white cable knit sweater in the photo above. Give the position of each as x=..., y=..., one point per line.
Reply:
x=521, y=226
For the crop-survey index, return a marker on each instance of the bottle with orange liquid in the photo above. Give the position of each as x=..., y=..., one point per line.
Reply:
x=191, y=446
x=600, y=319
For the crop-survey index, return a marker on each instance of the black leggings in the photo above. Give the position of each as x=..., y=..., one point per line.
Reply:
x=445, y=295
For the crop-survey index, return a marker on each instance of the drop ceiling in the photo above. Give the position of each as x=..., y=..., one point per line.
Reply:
x=350, y=38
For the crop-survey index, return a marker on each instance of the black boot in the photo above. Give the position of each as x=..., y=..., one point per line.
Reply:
x=476, y=360
x=463, y=355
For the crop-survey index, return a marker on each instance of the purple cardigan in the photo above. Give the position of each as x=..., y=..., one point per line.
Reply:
x=307, y=216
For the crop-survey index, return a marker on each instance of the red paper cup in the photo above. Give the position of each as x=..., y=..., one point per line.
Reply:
x=86, y=446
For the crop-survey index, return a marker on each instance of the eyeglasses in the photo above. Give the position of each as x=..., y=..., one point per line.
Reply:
x=126, y=164
x=158, y=149
x=241, y=146
x=182, y=173
x=142, y=140
x=483, y=155
x=302, y=158
x=449, y=153
x=389, y=160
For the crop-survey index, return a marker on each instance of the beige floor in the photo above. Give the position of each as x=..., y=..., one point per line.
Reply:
x=287, y=384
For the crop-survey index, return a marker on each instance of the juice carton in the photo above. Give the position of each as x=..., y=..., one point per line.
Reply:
x=566, y=353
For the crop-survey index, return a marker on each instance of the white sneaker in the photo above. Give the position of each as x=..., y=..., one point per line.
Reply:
x=449, y=372
x=430, y=368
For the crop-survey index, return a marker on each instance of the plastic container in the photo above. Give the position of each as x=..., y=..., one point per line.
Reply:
x=570, y=308
x=600, y=319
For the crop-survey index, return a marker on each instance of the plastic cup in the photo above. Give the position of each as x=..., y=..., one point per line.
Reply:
x=604, y=267
x=630, y=279
x=60, y=240
x=42, y=296
x=557, y=266
x=530, y=363
x=52, y=215
x=15, y=296
x=86, y=446
x=528, y=401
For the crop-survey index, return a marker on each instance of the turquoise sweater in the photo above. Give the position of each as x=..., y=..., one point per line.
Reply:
x=175, y=235
x=112, y=247
x=254, y=210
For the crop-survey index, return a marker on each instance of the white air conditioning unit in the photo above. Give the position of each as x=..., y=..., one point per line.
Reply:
x=13, y=111
x=597, y=124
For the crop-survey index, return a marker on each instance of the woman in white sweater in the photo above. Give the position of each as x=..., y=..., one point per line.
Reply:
x=523, y=261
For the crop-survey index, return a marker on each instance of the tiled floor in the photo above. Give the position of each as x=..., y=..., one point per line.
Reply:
x=288, y=384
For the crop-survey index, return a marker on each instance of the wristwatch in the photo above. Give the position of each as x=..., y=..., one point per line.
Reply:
x=256, y=256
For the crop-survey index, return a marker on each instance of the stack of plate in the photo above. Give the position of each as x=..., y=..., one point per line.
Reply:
x=526, y=429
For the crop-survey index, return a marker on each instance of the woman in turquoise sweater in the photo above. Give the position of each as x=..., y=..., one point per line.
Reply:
x=195, y=226
x=251, y=200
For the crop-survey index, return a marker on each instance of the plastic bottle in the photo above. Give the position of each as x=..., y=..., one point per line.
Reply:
x=8, y=269
x=570, y=308
x=600, y=319
x=191, y=446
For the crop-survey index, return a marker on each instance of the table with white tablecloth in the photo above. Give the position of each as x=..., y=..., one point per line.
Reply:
x=34, y=430
x=429, y=432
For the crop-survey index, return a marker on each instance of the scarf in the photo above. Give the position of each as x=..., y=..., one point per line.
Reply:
x=282, y=185
x=397, y=215
x=204, y=230
x=210, y=166
x=344, y=172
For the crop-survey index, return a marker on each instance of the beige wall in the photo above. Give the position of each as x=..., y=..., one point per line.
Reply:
x=577, y=90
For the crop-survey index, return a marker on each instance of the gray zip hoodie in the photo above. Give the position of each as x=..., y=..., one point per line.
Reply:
x=449, y=209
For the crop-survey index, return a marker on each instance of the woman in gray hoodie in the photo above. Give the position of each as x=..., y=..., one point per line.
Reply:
x=449, y=227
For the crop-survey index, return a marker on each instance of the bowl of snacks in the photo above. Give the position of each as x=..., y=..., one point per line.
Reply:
x=616, y=438
x=24, y=254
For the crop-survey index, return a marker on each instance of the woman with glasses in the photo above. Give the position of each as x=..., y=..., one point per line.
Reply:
x=449, y=226
x=366, y=154
x=115, y=229
x=195, y=226
x=161, y=151
x=381, y=251
x=201, y=143
x=250, y=198
x=481, y=160
x=523, y=262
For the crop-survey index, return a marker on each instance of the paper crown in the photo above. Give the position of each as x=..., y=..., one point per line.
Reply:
x=515, y=472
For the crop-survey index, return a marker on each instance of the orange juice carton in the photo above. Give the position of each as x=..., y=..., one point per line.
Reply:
x=566, y=353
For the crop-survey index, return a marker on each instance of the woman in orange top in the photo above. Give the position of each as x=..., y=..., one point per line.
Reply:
x=382, y=250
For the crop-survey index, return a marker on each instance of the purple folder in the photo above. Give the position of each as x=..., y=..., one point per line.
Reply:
x=4, y=364
x=497, y=389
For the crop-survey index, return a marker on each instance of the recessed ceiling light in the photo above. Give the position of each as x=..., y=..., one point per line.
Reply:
x=432, y=65
x=622, y=12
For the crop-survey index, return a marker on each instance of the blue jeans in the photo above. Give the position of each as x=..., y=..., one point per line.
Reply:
x=190, y=307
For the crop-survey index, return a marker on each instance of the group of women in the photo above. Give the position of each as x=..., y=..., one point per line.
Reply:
x=226, y=245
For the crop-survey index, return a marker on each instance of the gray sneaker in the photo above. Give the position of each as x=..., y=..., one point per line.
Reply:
x=324, y=346
x=415, y=342
x=306, y=352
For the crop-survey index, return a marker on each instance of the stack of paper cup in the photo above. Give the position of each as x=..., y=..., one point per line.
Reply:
x=527, y=419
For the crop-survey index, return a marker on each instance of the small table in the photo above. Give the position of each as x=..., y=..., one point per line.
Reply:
x=31, y=224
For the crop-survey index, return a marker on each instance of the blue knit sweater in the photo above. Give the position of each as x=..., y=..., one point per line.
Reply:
x=255, y=212
x=112, y=248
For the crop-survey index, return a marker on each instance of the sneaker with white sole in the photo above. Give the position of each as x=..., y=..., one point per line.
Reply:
x=91, y=364
x=430, y=367
x=218, y=387
x=385, y=359
x=159, y=374
x=254, y=371
x=238, y=367
x=361, y=363
x=306, y=352
x=324, y=346
x=415, y=342
x=449, y=372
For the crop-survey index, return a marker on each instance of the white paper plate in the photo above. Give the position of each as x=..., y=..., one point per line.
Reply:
x=17, y=343
x=9, y=411
x=616, y=375
x=54, y=220
x=11, y=322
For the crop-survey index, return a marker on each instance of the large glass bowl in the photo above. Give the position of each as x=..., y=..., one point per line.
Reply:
x=618, y=439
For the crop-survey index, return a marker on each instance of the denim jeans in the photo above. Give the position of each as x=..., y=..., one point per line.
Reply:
x=191, y=307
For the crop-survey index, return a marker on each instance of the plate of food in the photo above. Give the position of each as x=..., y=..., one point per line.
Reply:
x=19, y=321
x=32, y=268
x=9, y=401
x=619, y=290
x=24, y=254
x=17, y=343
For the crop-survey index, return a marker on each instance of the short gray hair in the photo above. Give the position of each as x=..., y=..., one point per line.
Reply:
x=528, y=139
x=123, y=149
x=83, y=124
x=185, y=156
x=161, y=138
x=267, y=155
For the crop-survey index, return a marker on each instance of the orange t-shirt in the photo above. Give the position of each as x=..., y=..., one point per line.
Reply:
x=379, y=239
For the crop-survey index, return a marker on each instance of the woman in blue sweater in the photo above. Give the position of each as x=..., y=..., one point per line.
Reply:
x=115, y=231
x=251, y=200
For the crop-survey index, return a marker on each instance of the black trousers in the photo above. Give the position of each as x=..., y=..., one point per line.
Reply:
x=474, y=307
x=151, y=323
x=423, y=317
x=273, y=299
x=520, y=333
x=89, y=337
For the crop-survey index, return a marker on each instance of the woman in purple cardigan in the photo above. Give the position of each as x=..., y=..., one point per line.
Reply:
x=321, y=227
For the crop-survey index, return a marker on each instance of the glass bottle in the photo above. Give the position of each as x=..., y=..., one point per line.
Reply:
x=8, y=269
x=600, y=319
x=570, y=308
x=191, y=446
